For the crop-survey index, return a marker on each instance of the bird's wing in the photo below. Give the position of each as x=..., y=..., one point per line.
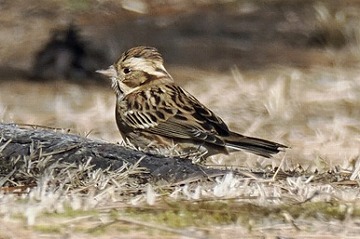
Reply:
x=172, y=112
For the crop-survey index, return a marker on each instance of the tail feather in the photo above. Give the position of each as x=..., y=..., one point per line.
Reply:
x=256, y=146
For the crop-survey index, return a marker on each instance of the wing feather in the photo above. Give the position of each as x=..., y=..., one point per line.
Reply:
x=176, y=114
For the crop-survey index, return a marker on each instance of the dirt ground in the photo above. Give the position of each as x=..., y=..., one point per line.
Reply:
x=287, y=71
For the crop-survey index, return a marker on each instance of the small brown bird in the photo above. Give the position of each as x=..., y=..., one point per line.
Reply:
x=157, y=116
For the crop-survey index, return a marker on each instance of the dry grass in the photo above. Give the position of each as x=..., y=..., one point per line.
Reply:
x=314, y=110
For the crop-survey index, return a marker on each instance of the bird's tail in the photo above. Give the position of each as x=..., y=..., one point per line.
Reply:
x=257, y=146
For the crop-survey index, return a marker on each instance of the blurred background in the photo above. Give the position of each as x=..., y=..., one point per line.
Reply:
x=205, y=34
x=283, y=70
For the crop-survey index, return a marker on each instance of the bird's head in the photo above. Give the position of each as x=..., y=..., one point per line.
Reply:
x=137, y=67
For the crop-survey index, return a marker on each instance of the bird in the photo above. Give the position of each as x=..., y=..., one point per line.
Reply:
x=157, y=116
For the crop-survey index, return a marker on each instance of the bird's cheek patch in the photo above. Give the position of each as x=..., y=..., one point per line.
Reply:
x=130, y=82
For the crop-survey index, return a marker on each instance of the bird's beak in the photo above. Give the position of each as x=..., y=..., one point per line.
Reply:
x=110, y=72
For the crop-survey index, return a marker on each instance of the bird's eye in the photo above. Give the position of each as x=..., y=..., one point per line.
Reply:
x=126, y=70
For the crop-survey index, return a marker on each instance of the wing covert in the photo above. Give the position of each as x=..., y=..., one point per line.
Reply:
x=174, y=113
